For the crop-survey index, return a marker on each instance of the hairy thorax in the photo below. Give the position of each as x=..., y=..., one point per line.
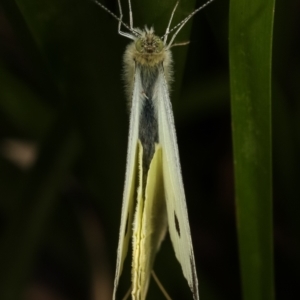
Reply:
x=147, y=51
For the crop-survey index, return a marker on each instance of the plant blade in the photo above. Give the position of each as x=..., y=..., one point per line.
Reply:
x=251, y=26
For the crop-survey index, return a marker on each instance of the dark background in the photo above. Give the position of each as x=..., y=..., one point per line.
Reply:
x=63, y=139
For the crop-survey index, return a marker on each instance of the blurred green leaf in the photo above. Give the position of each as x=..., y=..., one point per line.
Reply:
x=251, y=30
x=20, y=104
x=25, y=229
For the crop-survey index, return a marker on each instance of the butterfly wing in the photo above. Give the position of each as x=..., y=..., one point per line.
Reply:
x=130, y=183
x=150, y=219
x=174, y=192
x=150, y=225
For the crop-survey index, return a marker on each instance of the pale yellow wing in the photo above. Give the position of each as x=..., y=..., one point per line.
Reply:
x=175, y=198
x=150, y=224
x=130, y=182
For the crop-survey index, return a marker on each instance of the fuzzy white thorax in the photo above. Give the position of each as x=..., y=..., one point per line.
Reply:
x=158, y=54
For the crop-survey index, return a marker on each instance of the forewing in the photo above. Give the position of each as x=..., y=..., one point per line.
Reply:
x=130, y=182
x=137, y=232
x=175, y=198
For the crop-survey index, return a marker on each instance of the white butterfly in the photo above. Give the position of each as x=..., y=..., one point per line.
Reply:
x=153, y=183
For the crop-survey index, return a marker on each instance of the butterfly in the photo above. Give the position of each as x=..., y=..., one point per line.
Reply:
x=154, y=199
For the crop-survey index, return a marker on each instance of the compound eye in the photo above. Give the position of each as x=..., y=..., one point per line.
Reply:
x=159, y=45
x=139, y=45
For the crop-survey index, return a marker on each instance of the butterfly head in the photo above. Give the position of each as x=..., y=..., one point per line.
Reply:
x=149, y=43
x=149, y=49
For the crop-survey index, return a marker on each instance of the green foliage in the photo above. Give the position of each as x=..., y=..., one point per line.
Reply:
x=251, y=32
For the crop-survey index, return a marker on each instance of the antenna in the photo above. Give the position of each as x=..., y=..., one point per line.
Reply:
x=183, y=22
x=135, y=33
x=120, y=19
